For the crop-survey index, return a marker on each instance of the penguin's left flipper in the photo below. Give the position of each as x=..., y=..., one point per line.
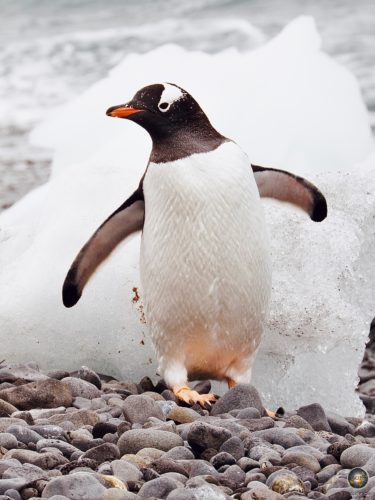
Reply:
x=284, y=186
x=127, y=219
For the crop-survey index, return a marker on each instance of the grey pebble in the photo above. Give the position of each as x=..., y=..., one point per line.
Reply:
x=102, y=453
x=222, y=458
x=48, y=393
x=202, y=436
x=117, y=494
x=298, y=422
x=48, y=431
x=13, y=494
x=301, y=458
x=66, y=448
x=234, y=446
x=80, y=485
x=8, y=440
x=81, y=388
x=206, y=492
x=314, y=414
x=241, y=396
x=6, y=422
x=138, y=409
x=26, y=471
x=24, y=434
x=134, y=440
x=254, y=476
x=179, y=453
x=284, y=437
x=16, y=483
x=159, y=488
x=125, y=471
x=248, y=413
x=356, y=456
x=42, y=460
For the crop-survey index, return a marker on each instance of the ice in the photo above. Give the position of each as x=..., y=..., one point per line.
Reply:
x=288, y=105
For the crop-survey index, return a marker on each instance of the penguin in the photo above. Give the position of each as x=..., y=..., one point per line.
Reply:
x=204, y=260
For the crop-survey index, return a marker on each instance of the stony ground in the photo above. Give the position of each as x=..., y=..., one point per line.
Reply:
x=86, y=436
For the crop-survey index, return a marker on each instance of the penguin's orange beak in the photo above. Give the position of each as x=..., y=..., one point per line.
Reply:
x=122, y=111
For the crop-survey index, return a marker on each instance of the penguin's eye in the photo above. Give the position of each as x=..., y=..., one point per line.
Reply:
x=164, y=106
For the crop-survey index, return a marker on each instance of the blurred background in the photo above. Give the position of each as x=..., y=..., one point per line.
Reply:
x=50, y=51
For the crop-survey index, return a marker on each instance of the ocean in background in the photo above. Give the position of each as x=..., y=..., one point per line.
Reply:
x=50, y=51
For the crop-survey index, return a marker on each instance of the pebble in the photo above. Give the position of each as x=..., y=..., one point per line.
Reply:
x=80, y=485
x=314, y=414
x=183, y=415
x=241, y=396
x=202, y=436
x=109, y=435
x=102, y=453
x=138, y=409
x=48, y=393
x=158, y=488
x=8, y=441
x=136, y=439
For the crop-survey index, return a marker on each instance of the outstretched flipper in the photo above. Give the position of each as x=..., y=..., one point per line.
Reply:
x=284, y=186
x=127, y=219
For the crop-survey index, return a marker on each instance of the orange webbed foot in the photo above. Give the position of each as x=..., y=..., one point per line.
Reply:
x=187, y=395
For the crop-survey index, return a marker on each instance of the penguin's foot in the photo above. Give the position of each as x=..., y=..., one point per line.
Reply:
x=187, y=395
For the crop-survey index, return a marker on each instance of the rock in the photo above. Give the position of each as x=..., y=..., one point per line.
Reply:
x=234, y=446
x=134, y=440
x=102, y=453
x=48, y=393
x=284, y=481
x=200, y=468
x=258, y=424
x=6, y=409
x=46, y=412
x=102, y=428
x=327, y=472
x=241, y=396
x=24, y=434
x=204, y=492
x=13, y=494
x=12, y=484
x=315, y=416
x=337, y=494
x=65, y=448
x=48, y=431
x=339, y=424
x=260, y=492
x=8, y=441
x=158, y=488
x=356, y=456
x=284, y=437
x=78, y=418
x=125, y=471
x=89, y=375
x=116, y=494
x=248, y=413
x=298, y=422
x=6, y=422
x=301, y=458
x=80, y=485
x=26, y=471
x=24, y=371
x=183, y=415
x=82, y=388
x=222, y=458
x=365, y=429
x=138, y=409
x=179, y=453
x=202, y=436
x=235, y=474
x=46, y=460
x=165, y=465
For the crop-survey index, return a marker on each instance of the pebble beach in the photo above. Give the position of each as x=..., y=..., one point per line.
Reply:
x=87, y=436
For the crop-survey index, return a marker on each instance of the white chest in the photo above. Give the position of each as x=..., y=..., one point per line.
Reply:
x=204, y=256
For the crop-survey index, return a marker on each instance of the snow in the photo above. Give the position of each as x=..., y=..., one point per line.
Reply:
x=288, y=105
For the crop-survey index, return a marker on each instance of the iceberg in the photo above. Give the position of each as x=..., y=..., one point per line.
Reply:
x=288, y=105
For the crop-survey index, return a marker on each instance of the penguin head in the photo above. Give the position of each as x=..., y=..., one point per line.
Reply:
x=162, y=110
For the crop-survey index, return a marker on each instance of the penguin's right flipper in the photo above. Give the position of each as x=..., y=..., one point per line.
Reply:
x=127, y=219
x=284, y=186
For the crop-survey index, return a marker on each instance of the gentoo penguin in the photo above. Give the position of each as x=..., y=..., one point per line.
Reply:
x=205, y=265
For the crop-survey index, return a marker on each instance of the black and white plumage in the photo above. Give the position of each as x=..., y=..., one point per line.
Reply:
x=205, y=266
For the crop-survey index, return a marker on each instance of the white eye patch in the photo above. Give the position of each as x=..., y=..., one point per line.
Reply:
x=169, y=95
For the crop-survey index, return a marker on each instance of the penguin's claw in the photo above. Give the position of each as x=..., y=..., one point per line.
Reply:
x=189, y=396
